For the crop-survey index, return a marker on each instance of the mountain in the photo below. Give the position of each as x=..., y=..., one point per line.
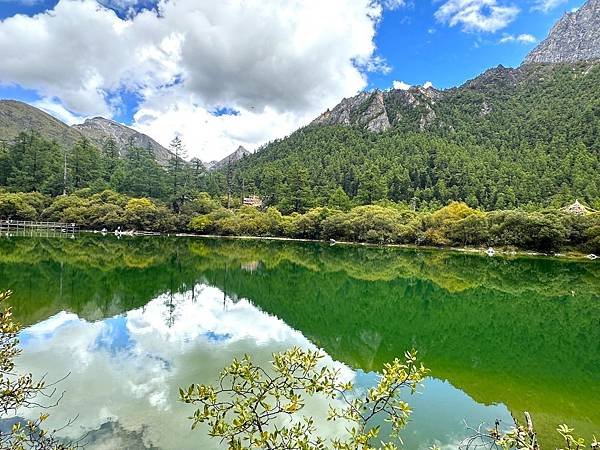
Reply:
x=478, y=103
x=99, y=129
x=379, y=111
x=18, y=116
x=366, y=110
x=509, y=137
x=575, y=37
x=236, y=156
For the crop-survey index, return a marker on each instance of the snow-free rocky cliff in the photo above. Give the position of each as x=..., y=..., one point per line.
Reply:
x=238, y=154
x=575, y=37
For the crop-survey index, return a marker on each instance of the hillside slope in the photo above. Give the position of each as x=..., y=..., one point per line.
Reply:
x=16, y=117
x=509, y=137
x=564, y=94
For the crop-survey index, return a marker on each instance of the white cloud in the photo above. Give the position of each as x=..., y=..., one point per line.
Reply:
x=427, y=85
x=375, y=64
x=55, y=108
x=397, y=84
x=526, y=38
x=80, y=51
x=278, y=63
x=210, y=136
x=477, y=15
x=546, y=5
x=520, y=38
x=393, y=4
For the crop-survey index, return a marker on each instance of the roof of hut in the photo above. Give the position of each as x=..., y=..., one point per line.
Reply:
x=576, y=208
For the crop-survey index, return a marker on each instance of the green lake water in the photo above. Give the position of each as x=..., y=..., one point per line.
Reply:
x=131, y=320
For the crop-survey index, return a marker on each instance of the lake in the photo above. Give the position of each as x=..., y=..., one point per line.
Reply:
x=131, y=320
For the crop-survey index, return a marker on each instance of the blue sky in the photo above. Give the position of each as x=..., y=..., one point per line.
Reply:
x=241, y=73
x=420, y=49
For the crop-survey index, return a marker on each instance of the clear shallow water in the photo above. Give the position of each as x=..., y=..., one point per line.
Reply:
x=133, y=320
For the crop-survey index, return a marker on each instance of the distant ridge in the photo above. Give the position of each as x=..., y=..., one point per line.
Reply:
x=238, y=154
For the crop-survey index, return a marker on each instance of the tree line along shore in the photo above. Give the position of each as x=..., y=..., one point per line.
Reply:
x=385, y=222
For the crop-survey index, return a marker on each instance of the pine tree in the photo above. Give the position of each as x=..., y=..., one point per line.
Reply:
x=31, y=162
x=84, y=165
x=177, y=173
x=372, y=186
x=339, y=200
x=110, y=152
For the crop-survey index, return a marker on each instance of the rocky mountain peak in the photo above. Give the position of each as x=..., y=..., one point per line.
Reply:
x=367, y=109
x=239, y=153
x=99, y=129
x=235, y=156
x=499, y=76
x=575, y=37
x=377, y=111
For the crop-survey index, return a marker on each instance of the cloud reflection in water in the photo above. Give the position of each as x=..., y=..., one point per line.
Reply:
x=126, y=370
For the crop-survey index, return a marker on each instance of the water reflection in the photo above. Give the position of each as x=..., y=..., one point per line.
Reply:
x=125, y=371
x=522, y=332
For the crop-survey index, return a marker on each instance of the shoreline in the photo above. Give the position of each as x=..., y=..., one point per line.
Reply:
x=481, y=251
x=570, y=255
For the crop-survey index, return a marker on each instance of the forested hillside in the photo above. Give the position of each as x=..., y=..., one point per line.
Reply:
x=508, y=138
x=511, y=138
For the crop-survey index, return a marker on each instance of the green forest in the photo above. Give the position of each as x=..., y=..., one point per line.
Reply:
x=509, y=138
x=32, y=163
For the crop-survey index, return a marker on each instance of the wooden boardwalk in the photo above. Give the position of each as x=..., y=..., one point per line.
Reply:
x=25, y=225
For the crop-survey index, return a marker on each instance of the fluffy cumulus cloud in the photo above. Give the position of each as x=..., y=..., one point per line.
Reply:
x=520, y=38
x=477, y=15
x=401, y=85
x=80, y=51
x=277, y=63
x=547, y=5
